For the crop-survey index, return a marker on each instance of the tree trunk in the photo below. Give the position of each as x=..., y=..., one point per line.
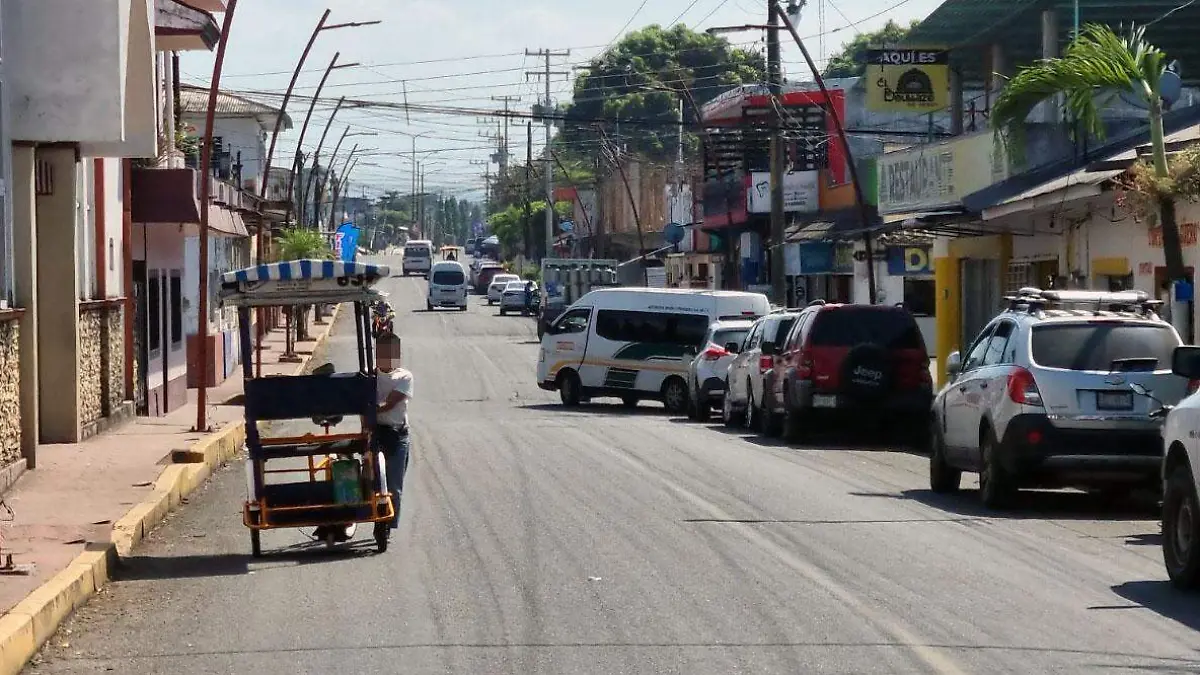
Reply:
x=1172, y=246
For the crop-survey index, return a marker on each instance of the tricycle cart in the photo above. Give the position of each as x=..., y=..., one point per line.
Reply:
x=339, y=479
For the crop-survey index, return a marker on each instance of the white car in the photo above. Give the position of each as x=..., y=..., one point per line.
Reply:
x=496, y=288
x=709, y=369
x=1181, y=503
x=447, y=286
x=513, y=298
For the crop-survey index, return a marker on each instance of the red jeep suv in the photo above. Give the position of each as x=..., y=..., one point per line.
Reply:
x=855, y=365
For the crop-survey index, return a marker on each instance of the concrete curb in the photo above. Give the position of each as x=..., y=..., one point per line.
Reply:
x=27, y=626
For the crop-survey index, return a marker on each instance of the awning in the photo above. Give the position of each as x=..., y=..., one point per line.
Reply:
x=892, y=218
x=223, y=222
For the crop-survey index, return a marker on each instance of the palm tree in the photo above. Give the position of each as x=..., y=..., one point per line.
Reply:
x=302, y=243
x=1096, y=60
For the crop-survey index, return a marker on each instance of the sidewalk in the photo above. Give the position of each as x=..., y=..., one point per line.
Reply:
x=89, y=502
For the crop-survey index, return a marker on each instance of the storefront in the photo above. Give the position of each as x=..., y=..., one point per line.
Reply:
x=819, y=270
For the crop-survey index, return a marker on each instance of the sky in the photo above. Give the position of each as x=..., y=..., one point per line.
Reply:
x=462, y=53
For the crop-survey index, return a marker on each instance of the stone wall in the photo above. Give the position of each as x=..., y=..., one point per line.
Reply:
x=91, y=389
x=114, y=371
x=10, y=390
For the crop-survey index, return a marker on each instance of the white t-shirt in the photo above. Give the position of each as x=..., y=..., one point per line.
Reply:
x=398, y=380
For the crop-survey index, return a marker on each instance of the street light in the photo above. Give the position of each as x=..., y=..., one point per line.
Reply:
x=333, y=158
x=306, y=193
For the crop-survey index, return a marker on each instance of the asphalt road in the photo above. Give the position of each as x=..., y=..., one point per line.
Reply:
x=536, y=540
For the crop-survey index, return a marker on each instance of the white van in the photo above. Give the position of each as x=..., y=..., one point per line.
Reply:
x=635, y=343
x=418, y=256
x=447, y=286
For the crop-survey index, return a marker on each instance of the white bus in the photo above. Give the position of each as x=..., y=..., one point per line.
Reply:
x=418, y=256
x=635, y=343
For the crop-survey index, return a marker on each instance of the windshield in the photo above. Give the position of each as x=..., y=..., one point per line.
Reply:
x=724, y=336
x=448, y=277
x=850, y=326
x=1095, y=346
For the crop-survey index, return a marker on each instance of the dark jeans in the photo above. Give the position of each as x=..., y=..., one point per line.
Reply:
x=394, y=444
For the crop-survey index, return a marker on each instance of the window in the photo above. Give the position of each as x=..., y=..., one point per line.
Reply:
x=754, y=339
x=920, y=297
x=726, y=335
x=975, y=358
x=795, y=336
x=887, y=327
x=999, y=345
x=176, y=308
x=651, y=327
x=1096, y=346
x=448, y=278
x=574, y=321
x=782, y=329
x=154, y=311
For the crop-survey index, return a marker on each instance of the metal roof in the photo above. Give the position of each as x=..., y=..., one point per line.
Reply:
x=969, y=27
x=193, y=100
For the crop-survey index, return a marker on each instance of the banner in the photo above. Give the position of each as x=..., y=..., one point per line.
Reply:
x=938, y=175
x=907, y=80
x=909, y=260
x=345, y=242
x=800, y=192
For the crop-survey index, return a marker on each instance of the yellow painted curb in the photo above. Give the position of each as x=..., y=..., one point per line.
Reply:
x=27, y=626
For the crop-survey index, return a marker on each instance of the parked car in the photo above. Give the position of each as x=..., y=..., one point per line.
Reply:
x=708, y=369
x=1181, y=491
x=854, y=365
x=635, y=343
x=483, y=278
x=749, y=394
x=1043, y=397
x=447, y=286
x=496, y=288
x=513, y=299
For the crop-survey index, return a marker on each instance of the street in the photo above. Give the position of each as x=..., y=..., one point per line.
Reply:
x=536, y=540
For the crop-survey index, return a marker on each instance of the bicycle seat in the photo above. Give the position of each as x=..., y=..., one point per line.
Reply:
x=331, y=421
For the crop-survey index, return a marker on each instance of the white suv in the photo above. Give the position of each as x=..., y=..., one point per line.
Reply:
x=708, y=370
x=1181, y=459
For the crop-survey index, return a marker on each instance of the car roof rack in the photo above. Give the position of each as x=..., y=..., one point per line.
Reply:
x=817, y=303
x=1035, y=301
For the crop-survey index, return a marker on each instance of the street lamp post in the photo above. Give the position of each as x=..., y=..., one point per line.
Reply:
x=324, y=186
x=308, y=184
x=205, y=195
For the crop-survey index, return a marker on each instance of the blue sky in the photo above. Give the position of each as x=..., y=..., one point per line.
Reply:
x=461, y=53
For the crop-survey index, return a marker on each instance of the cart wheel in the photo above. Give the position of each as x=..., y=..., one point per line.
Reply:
x=255, y=544
x=382, y=531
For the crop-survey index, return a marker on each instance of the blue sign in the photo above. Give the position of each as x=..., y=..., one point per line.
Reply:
x=673, y=233
x=566, y=226
x=1184, y=292
x=909, y=261
x=345, y=242
x=477, y=228
x=825, y=257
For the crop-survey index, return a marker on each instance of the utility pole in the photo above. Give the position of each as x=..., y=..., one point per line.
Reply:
x=528, y=180
x=775, y=83
x=504, y=135
x=546, y=74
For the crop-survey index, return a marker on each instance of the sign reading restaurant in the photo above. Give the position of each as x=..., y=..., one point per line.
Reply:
x=938, y=175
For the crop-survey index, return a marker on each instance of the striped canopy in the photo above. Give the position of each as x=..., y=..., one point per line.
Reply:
x=307, y=269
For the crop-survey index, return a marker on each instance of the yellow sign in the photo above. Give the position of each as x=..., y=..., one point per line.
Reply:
x=907, y=80
x=939, y=175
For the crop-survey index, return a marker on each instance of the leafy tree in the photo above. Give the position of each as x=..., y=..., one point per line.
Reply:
x=849, y=62
x=1099, y=59
x=645, y=75
x=302, y=243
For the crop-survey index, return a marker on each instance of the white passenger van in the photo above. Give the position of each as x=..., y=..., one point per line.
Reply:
x=635, y=343
x=418, y=256
x=447, y=285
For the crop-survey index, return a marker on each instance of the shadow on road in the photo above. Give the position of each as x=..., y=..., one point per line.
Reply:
x=1035, y=504
x=143, y=568
x=618, y=409
x=1164, y=599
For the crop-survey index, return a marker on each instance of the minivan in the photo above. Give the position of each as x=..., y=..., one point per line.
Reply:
x=418, y=257
x=447, y=286
x=635, y=343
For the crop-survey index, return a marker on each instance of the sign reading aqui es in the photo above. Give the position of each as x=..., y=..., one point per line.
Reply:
x=907, y=80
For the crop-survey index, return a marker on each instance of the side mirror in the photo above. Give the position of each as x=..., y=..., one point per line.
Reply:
x=1185, y=362
x=733, y=347
x=768, y=349
x=953, y=364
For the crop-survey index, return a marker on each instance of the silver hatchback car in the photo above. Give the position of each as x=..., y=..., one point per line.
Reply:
x=708, y=369
x=1043, y=397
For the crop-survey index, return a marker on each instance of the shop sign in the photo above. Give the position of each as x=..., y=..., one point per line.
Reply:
x=907, y=80
x=826, y=258
x=939, y=175
x=909, y=261
x=800, y=192
x=1187, y=235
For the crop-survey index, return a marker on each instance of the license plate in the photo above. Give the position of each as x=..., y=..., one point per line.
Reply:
x=1114, y=400
x=824, y=401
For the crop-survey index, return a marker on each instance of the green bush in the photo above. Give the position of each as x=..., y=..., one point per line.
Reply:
x=532, y=273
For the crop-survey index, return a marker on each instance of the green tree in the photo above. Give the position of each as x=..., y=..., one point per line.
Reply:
x=645, y=75
x=302, y=243
x=1097, y=60
x=849, y=62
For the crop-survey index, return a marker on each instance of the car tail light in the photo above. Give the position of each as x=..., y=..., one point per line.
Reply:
x=714, y=353
x=766, y=363
x=1023, y=389
x=804, y=365
x=1193, y=386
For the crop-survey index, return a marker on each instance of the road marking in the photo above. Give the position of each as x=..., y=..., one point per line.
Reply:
x=934, y=657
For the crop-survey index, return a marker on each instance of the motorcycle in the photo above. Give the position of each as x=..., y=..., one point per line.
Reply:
x=382, y=321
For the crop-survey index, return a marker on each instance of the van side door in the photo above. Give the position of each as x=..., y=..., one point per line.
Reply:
x=568, y=341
